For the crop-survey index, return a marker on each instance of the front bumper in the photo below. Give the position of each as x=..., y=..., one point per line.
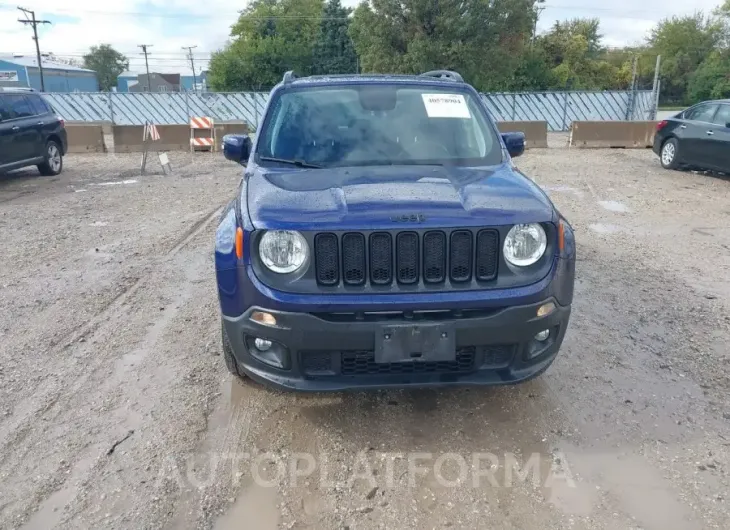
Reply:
x=330, y=352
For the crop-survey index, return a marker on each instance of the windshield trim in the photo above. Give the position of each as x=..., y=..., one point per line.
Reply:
x=457, y=88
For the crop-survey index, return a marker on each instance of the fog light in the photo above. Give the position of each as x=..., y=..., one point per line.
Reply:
x=541, y=336
x=262, y=344
x=267, y=319
x=544, y=310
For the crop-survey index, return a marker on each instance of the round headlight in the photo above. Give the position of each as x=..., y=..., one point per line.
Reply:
x=283, y=251
x=525, y=244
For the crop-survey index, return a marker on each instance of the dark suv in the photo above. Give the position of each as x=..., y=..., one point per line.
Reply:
x=31, y=134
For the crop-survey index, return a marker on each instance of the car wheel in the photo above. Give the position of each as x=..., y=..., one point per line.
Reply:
x=53, y=165
x=228, y=355
x=669, y=155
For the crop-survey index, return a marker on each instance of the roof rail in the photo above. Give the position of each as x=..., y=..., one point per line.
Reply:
x=444, y=74
x=289, y=77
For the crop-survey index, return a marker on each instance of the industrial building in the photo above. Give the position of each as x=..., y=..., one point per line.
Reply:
x=23, y=71
x=159, y=82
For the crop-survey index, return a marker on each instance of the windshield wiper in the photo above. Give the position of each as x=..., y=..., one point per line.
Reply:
x=295, y=162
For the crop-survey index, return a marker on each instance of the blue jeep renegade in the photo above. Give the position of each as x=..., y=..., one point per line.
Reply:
x=382, y=237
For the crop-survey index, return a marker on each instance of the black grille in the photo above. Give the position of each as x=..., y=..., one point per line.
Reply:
x=327, y=258
x=487, y=253
x=353, y=259
x=431, y=257
x=460, y=256
x=407, y=257
x=363, y=363
x=434, y=257
x=381, y=258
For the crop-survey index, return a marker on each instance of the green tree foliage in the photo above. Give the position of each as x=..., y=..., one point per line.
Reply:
x=490, y=42
x=484, y=41
x=334, y=51
x=269, y=38
x=684, y=43
x=107, y=62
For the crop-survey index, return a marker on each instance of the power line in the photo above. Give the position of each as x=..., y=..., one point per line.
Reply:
x=33, y=22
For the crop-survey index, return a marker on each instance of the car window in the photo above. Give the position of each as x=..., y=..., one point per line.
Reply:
x=4, y=109
x=19, y=106
x=701, y=113
x=39, y=106
x=723, y=116
x=383, y=124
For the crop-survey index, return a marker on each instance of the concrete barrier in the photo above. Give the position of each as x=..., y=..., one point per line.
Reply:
x=128, y=138
x=535, y=131
x=85, y=138
x=631, y=134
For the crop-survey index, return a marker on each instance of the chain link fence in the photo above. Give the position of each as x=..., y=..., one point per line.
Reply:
x=558, y=109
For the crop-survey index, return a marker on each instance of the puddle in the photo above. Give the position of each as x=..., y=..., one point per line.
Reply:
x=614, y=206
x=630, y=481
x=255, y=507
x=602, y=228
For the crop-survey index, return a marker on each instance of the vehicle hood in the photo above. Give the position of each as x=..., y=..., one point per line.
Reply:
x=377, y=197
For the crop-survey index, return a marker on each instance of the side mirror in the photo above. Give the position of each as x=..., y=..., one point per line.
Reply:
x=237, y=147
x=515, y=143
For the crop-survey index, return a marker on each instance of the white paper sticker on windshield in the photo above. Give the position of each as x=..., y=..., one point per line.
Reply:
x=445, y=106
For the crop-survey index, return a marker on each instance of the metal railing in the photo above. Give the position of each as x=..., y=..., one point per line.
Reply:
x=559, y=109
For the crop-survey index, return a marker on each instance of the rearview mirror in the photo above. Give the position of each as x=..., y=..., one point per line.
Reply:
x=515, y=143
x=237, y=147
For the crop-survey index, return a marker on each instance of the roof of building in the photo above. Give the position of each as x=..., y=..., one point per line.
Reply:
x=26, y=60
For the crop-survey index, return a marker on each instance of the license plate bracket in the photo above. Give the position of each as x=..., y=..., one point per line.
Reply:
x=414, y=343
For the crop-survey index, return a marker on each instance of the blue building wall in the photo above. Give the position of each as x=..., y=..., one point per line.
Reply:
x=123, y=83
x=7, y=66
x=55, y=79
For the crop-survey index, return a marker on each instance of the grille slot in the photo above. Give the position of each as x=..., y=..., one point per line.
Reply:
x=487, y=254
x=363, y=363
x=434, y=257
x=407, y=257
x=353, y=259
x=460, y=256
x=381, y=258
x=327, y=259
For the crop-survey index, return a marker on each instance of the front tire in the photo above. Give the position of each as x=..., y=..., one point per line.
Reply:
x=231, y=363
x=669, y=154
x=53, y=164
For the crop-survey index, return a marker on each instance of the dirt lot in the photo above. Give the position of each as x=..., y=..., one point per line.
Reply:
x=116, y=410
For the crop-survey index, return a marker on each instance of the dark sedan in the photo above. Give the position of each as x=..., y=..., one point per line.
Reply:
x=698, y=137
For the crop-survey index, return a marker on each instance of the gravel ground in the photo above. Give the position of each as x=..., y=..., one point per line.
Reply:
x=116, y=410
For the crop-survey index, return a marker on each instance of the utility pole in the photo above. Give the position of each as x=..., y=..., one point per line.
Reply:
x=538, y=10
x=33, y=22
x=632, y=93
x=192, y=63
x=147, y=64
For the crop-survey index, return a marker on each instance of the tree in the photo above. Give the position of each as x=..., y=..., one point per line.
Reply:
x=269, y=38
x=683, y=43
x=107, y=62
x=334, y=52
x=484, y=41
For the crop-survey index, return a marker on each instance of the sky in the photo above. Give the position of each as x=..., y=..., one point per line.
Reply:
x=168, y=25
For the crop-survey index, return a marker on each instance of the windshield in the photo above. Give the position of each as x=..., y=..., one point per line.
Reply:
x=381, y=124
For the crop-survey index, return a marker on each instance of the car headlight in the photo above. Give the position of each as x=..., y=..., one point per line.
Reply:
x=283, y=251
x=525, y=244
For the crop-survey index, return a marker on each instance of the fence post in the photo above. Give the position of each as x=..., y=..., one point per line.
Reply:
x=655, y=88
x=514, y=104
x=565, y=113
x=111, y=107
x=187, y=105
